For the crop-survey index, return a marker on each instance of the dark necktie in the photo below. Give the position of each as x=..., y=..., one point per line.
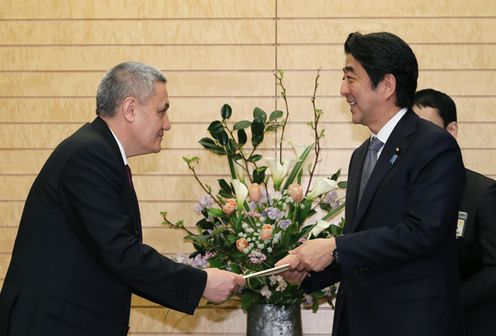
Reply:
x=129, y=176
x=368, y=166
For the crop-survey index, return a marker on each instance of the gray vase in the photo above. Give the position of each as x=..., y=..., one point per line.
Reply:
x=272, y=320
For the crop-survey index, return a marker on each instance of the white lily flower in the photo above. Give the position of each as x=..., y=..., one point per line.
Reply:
x=322, y=186
x=279, y=171
x=298, y=148
x=241, y=192
x=240, y=172
x=318, y=228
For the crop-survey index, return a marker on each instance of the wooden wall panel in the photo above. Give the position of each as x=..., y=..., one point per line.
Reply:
x=364, y=8
x=430, y=56
x=137, y=32
x=84, y=84
x=170, y=57
x=55, y=52
x=412, y=30
x=114, y=9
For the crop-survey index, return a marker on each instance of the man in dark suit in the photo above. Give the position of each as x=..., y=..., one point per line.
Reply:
x=79, y=254
x=396, y=260
x=476, y=238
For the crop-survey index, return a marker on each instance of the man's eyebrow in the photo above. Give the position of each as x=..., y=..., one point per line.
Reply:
x=348, y=68
x=166, y=107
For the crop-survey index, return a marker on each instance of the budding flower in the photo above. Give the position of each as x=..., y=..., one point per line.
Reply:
x=229, y=206
x=296, y=192
x=255, y=192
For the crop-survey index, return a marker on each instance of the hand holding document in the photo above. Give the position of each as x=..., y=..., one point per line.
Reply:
x=270, y=271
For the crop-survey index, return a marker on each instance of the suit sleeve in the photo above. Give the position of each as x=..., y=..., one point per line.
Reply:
x=482, y=284
x=93, y=184
x=432, y=184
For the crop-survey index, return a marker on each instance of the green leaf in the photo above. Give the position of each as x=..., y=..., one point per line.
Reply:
x=259, y=174
x=297, y=167
x=272, y=127
x=215, y=212
x=210, y=144
x=257, y=132
x=334, y=211
x=255, y=157
x=225, y=194
x=275, y=115
x=231, y=239
x=336, y=175
x=224, y=186
x=204, y=224
x=260, y=115
x=343, y=184
x=217, y=261
x=216, y=129
x=235, y=268
x=242, y=138
x=242, y=124
x=248, y=299
x=325, y=206
x=226, y=111
x=193, y=159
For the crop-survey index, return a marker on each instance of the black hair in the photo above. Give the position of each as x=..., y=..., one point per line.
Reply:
x=385, y=53
x=443, y=103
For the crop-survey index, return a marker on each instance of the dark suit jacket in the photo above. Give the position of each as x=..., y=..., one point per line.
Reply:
x=477, y=254
x=397, y=266
x=78, y=254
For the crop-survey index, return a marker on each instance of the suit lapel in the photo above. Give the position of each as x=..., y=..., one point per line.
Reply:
x=353, y=188
x=397, y=143
x=132, y=201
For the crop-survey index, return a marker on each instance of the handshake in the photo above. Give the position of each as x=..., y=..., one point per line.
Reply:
x=313, y=255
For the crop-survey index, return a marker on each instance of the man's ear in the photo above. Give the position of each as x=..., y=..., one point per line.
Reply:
x=128, y=108
x=452, y=128
x=389, y=83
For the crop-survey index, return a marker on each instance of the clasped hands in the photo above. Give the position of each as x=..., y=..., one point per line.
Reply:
x=313, y=255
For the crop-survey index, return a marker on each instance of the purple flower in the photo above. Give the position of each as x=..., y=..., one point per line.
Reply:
x=274, y=213
x=257, y=257
x=332, y=199
x=204, y=202
x=199, y=261
x=285, y=223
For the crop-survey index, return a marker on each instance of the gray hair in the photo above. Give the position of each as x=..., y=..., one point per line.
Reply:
x=129, y=79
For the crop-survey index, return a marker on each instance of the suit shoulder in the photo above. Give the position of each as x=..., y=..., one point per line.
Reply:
x=479, y=181
x=434, y=135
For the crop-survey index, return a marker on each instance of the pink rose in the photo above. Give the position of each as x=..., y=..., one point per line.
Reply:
x=296, y=192
x=229, y=206
x=241, y=244
x=255, y=192
x=266, y=232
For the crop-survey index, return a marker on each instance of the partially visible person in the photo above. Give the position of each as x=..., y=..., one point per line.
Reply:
x=476, y=241
x=396, y=261
x=79, y=254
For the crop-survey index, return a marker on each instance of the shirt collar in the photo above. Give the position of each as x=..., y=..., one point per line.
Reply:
x=388, y=128
x=121, y=148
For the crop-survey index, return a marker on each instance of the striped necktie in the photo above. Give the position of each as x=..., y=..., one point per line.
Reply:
x=368, y=166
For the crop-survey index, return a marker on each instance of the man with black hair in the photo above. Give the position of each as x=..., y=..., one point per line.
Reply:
x=476, y=235
x=396, y=261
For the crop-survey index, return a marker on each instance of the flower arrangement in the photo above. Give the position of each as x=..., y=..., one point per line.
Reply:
x=264, y=210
